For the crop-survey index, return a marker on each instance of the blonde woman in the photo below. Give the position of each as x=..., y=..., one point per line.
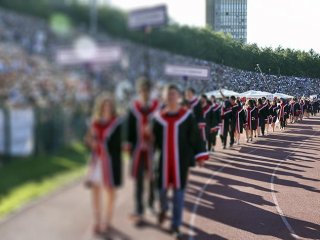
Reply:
x=105, y=170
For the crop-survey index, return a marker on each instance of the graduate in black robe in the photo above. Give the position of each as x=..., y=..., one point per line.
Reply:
x=216, y=121
x=291, y=112
x=307, y=107
x=139, y=139
x=240, y=121
x=302, y=109
x=233, y=120
x=226, y=115
x=283, y=113
x=269, y=115
x=104, y=139
x=251, y=119
x=287, y=112
x=207, y=115
x=296, y=110
x=177, y=138
x=255, y=104
x=314, y=107
x=195, y=106
x=262, y=116
x=273, y=111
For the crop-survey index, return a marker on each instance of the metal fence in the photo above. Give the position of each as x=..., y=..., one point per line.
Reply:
x=53, y=128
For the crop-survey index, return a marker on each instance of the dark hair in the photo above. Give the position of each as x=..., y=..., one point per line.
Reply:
x=190, y=89
x=143, y=83
x=184, y=103
x=260, y=101
x=227, y=104
x=233, y=98
x=172, y=86
x=251, y=103
x=204, y=96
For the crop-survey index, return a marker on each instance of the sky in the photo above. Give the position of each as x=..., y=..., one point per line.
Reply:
x=289, y=23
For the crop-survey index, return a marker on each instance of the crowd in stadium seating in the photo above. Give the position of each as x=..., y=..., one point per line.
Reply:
x=30, y=76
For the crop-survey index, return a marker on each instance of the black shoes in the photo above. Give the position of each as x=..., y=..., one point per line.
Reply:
x=176, y=233
x=162, y=217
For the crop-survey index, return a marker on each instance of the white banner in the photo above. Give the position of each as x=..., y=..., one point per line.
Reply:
x=148, y=17
x=198, y=72
x=21, y=131
x=2, y=133
x=102, y=55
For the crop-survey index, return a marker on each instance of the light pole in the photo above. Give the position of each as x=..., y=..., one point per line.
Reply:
x=264, y=78
x=93, y=17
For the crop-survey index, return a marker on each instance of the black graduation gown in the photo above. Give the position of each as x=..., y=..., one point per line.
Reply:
x=216, y=118
x=177, y=138
x=296, y=109
x=138, y=117
x=314, y=107
x=241, y=119
x=207, y=115
x=269, y=113
x=262, y=114
x=274, y=113
x=196, y=108
x=302, y=107
x=307, y=106
x=291, y=105
x=287, y=111
x=283, y=112
x=268, y=108
x=226, y=115
x=251, y=118
x=233, y=119
x=108, y=152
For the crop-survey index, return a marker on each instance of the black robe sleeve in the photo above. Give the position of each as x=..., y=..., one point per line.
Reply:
x=195, y=140
x=197, y=111
x=243, y=118
x=131, y=130
x=114, y=146
x=216, y=120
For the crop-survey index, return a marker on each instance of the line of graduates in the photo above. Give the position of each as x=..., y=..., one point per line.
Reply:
x=163, y=139
x=309, y=106
x=233, y=116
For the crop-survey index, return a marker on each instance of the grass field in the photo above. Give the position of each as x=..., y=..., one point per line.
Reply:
x=22, y=180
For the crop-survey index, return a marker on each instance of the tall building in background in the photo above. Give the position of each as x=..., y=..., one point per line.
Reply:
x=228, y=16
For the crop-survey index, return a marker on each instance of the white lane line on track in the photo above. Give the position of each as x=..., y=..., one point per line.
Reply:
x=203, y=189
x=201, y=192
x=274, y=197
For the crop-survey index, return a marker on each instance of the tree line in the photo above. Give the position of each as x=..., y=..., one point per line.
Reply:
x=201, y=43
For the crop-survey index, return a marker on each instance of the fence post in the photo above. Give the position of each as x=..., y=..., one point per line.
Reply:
x=7, y=135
